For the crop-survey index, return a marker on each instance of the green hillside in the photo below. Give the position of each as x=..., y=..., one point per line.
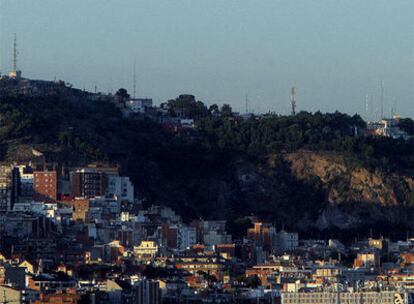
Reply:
x=306, y=172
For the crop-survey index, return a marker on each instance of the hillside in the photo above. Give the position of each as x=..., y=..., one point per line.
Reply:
x=309, y=172
x=345, y=182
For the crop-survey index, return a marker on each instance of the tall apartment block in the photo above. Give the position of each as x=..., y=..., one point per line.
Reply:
x=44, y=185
x=9, y=185
x=88, y=183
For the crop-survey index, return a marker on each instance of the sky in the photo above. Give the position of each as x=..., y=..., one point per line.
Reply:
x=335, y=52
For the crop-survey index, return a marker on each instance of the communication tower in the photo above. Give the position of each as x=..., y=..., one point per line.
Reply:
x=134, y=91
x=382, y=99
x=15, y=73
x=293, y=100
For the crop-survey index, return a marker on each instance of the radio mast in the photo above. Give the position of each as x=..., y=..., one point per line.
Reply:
x=134, y=91
x=15, y=53
x=382, y=99
x=293, y=100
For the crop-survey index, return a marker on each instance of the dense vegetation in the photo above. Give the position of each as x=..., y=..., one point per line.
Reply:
x=313, y=131
x=197, y=172
x=407, y=124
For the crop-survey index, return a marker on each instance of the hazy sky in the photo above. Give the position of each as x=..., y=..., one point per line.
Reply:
x=334, y=52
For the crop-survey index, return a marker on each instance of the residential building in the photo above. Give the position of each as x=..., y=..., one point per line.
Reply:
x=147, y=292
x=88, y=183
x=368, y=260
x=80, y=209
x=61, y=297
x=44, y=185
x=9, y=178
x=262, y=234
x=147, y=249
x=286, y=241
x=139, y=105
x=26, y=181
x=211, y=238
x=120, y=188
x=187, y=237
x=329, y=297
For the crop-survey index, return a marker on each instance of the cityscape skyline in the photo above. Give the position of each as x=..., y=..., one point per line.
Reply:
x=159, y=152
x=327, y=78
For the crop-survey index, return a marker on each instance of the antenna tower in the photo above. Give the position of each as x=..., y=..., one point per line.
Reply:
x=247, y=104
x=373, y=108
x=382, y=99
x=293, y=100
x=134, y=91
x=15, y=53
x=394, y=111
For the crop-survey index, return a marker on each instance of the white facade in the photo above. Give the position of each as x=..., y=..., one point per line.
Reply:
x=120, y=188
x=139, y=105
x=187, y=122
x=48, y=210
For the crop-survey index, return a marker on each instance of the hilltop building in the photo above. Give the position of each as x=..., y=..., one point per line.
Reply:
x=139, y=105
x=387, y=127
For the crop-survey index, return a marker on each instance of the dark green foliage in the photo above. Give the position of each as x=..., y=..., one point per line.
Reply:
x=327, y=132
x=281, y=133
x=122, y=93
x=407, y=124
x=197, y=175
x=52, y=120
x=78, y=129
x=226, y=110
x=187, y=106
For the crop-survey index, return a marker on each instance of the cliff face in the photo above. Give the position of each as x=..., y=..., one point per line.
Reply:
x=356, y=196
x=345, y=182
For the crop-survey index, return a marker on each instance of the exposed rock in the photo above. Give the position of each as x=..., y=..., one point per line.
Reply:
x=347, y=183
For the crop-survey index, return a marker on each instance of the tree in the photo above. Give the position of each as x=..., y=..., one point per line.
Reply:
x=407, y=125
x=187, y=106
x=226, y=110
x=214, y=109
x=122, y=93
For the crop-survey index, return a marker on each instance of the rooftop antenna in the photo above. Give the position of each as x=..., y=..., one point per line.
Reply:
x=293, y=100
x=372, y=114
x=366, y=105
x=134, y=91
x=382, y=99
x=247, y=104
x=15, y=53
x=394, y=107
